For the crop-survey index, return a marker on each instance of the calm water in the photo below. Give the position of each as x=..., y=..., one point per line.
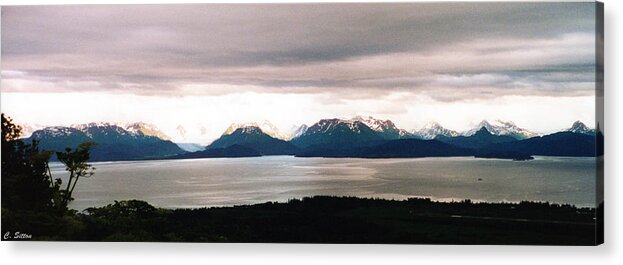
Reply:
x=230, y=181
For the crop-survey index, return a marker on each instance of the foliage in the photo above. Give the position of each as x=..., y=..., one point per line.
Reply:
x=32, y=201
x=26, y=180
x=75, y=162
x=323, y=219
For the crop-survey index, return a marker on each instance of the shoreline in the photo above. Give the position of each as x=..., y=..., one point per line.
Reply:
x=405, y=198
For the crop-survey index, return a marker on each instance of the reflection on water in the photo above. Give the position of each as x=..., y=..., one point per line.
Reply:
x=231, y=181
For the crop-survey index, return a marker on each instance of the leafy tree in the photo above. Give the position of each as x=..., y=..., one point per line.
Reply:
x=75, y=162
x=26, y=180
x=10, y=131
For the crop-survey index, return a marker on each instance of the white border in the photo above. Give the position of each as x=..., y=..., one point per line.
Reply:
x=161, y=253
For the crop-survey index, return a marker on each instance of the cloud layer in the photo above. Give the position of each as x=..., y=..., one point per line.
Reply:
x=447, y=51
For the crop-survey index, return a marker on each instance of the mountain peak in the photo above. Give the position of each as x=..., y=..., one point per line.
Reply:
x=326, y=125
x=297, y=131
x=385, y=128
x=485, y=123
x=265, y=126
x=500, y=127
x=247, y=130
x=114, y=142
x=483, y=131
x=84, y=126
x=146, y=129
x=337, y=131
x=376, y=124
x=433, y=129
x=580, y=127
x=255, y=138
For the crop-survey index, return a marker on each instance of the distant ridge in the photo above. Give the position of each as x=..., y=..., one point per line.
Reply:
x=356, y=137
x=385, y=128
x=265, y=126
x=579, y=127
x=432, y=130
x=337, y=133
x=113, y=142
x=254, y=138
x=502, y=128
x=480, y=139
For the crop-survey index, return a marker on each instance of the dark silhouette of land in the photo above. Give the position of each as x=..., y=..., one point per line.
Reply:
x=325, y=220
x=506, y=155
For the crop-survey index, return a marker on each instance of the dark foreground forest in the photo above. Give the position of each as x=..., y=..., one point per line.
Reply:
x=36, y=206
x=321, y=220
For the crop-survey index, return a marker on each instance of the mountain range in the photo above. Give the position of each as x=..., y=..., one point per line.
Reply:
x=113, y=142
x=386, y=129
x=432, y=130
x=356, y=137
x=503, y=128
x=481, y=138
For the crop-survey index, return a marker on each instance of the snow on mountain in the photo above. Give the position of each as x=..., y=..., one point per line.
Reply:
x=434, y=129
x=146, y=129
x=376, y=124
x=500, y=127
x=337, y=132
x=135, y=129
x=28, y=129
x=327, y=125
x=265, y=126
x=104, y=128
x=54, y=131
x=297, y=131
x=114, y=142
x=386, y=128
x=579, y=127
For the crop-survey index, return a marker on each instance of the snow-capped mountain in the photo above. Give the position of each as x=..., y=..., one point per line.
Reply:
x=330, y=125
x=255, y=138
x=94, y=129
x=265, y=126
x=432, y=130
x=337, y=132
x=579, y=127
x=500, y=127
x=55, y=131
x=386, y=128
x=135, y=129
x=146, y=129
x=28, y=129
x=113, y=141
x=376, y=124
x=480, y=139
x=297, y=131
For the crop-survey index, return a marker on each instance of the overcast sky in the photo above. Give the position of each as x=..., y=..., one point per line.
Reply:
x=206, y=66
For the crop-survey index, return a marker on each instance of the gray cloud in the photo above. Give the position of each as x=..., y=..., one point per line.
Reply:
x=446, y=50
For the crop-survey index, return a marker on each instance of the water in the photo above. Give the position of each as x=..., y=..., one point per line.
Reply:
x=233, y=181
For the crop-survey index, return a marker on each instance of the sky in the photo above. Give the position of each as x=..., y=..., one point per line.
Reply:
x=199, y=68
